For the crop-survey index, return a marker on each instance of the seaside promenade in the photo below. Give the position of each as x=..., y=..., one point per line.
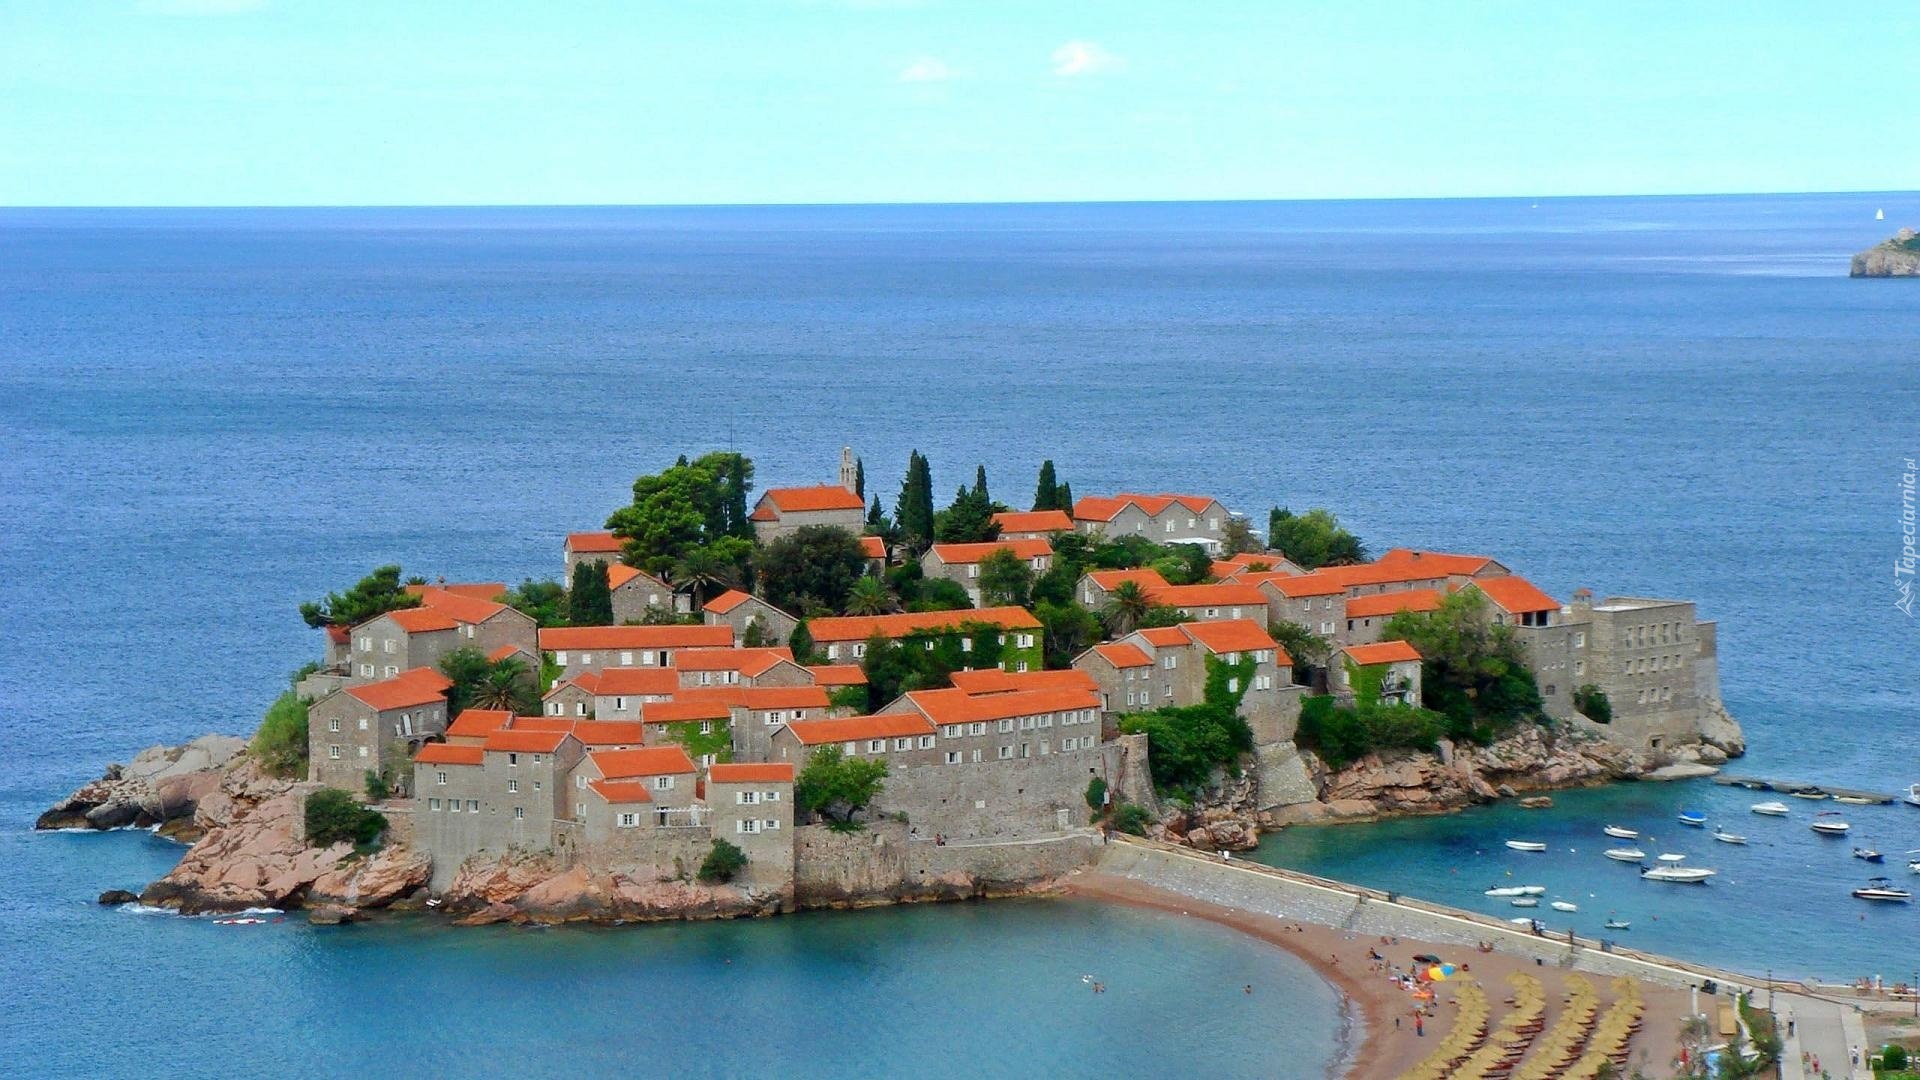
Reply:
x=1825, y=1027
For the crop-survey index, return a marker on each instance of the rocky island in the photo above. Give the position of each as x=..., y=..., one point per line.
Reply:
x=1897, y=257
x=811, y=704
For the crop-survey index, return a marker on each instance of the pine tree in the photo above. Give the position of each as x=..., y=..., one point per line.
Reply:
x=590, y=601
x=914, y=512
x=1046, y=495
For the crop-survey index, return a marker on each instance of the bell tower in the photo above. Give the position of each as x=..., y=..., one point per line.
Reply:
x=847, y=468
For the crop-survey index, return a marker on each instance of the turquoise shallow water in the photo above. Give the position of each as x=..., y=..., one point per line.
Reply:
x=1779, y=903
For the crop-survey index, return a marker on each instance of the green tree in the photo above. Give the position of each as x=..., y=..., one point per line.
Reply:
x=375, y=594
x=378, y=790
x=913, y=514
x=1592, y=702
x=817, y=563
x=836, y=786
x=860, y=477
x=1127, y=606
x=711, y=569
x=1184, y=564
x=800, y=643
x=477, y=679
x=280, y=744
x=1313, y=539
x=1066, y=497
x=1186, y=744
x=590, y=601
x=969, y=520
x=1046, y=494
x=1159, y=615
x=1238, y=537
x=333, y=817
x=1005, y=580
x=940, y=594
x=687, y=506
x=1474, y=670
x=1308, y=649
x=1068, y=629
x=543, y=601
x=722, y=863
x=1096, y=794
x=878, y=523
x=1131, y=818
x=870, y=596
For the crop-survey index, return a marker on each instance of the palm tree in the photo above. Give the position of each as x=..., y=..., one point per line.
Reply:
x=504, y=688
x=1127, y=604
x=707, y=573
x=870, y=596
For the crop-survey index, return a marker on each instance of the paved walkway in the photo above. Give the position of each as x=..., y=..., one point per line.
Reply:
x=1826, y=1030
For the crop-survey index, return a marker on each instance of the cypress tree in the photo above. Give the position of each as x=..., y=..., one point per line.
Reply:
x=980, y=484
x=1064, y=498
x=1046, y=495
x=860, y=478
x=590, y=601
x=914, y=512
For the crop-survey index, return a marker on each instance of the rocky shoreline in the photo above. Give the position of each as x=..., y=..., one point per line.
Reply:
x=1898, y=257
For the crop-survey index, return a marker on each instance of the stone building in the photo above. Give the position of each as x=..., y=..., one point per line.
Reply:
x=844, y=639
x=1655, y=661
x=784, y=511
x=374, y=727
x=1167, y=666
x=960, y=563
x=636, y=592
x=1164, y=519
x=447, y=619
x=592, y=648
x=751, y=807
x=1367, y=616
x=748, y=616
x=1207, y=603
x=1399, y=669
x=1095, y=587
x=1032, y=524
x=582, y=547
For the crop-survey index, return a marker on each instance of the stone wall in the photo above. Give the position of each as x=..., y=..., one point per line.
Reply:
x=882, y=864
x=998, y=799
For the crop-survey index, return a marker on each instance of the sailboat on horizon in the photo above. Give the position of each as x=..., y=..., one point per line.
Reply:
x=1879, y=215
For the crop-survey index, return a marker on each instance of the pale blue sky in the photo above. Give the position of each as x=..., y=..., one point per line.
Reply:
x=220, y=102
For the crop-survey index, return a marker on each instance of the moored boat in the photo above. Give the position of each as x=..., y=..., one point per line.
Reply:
x=1726, y=837
x=1814, y=794
x=1526, y=845
x=1826, y=826
x=1853, y=800
x=1679, y=875
x=1508, y=890
x=1625, y=854
x=1882, y=889
x=1617, y=924
x=1693, y=817
x=1564, y=905
x=1524, y=901
x=1532, y=890
x=1866, y=854
x=1770, y=809
x=1913, y=795
x=1620, y=832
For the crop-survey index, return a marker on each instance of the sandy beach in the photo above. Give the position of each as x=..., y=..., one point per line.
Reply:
x=1375, y=1001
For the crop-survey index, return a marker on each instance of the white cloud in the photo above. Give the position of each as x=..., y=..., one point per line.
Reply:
x=198, y=7
x=926, y=69
x=1084, y=58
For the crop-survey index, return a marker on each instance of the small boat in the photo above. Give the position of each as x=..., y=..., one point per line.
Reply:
x=1532, y=890
x=1726, y=837
x=1521, y=922
x=1868, y=855
x=1878, y=215
x=1617, y=924
x=1913, y=866
x=1625, y=854
x=256, y=922
x=1770, y=809
x=1809, y=793
x=1671, y=858
x=1526, y=845
x=1693, y=817
x=1882, y=889
x=1524, y=901
x=1679, y=875
x=1620, y=833
x=1509, y=890
x=1564, y=905
x=1913, y=795
x=1830, y=828
x=1853, y=800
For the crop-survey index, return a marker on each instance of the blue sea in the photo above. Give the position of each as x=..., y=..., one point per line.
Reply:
x=207, y=416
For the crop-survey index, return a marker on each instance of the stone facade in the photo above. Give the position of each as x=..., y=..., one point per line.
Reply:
x=784, y=511
x=742, y=613
x=960, y=563
x=375, y=727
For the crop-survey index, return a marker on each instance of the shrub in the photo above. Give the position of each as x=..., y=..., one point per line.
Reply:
x=1893, y=1057
x=722, y=863
x=1185, y=744
x=280, y=745
x=1342, y=735
x=1132, y=818
x=1096, y=794
x=377, y=787
x=1592, y=703
x=333, y=817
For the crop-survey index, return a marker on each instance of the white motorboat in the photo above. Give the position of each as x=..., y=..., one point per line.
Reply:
x=1521, y=922
x=1867, y=854
x=1564, y=905
x=1509, y=890
x=1532, y=890
x=1770, y=809
x=1853, y=800
x=1524, y=901
x=1621, y=833
x=1913, y=866
x=1618, y=924
x=1882, y=889
x=1625, y=854
x=1679, y=875
x=1913, y=795
x=1726, y=837
x=1814, y=794
x=1826, y=827
x=1671, y=858
x=1526, y=845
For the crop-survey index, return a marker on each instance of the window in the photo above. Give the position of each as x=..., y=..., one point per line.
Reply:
x=663, y=783
x=626, y=658
x=771, y=824
x=746, y=798
x=513, y=787
x=629, y=819
x=973, y=570
x=362, y=749
x=746, y=825
x=440, y=777
x=1006, y=752
x=580, y=708
x=1004, y=726
x=976, y=757
x=560, y=657
x=453, y=806
x=366, y=644
x=555, y=708
x=473, y=806
x=620, y=704
x=1233, y=685
x=586, y=658
x=859, y=648
x=333, y=752
x=519, y=812
x=333, y=724
x=386, y=646
x=513, y=761
x=876, y=746
x=926, y=742
x=1213, y=613
x=363, y=723
x=1025, y=641
x=903, y=744
x=977, y=728
x=366, y=671
x=433, y=804
x=1169, y=691
x=953, y=757
x=1169, y=661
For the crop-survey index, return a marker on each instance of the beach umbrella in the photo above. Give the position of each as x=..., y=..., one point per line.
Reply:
x=1437, y=973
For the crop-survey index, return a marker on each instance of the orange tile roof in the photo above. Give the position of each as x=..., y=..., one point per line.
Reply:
x=1445, y=562
x=1515, y=595
x=960, y=707
x=525, y=741
x=810, y=696
x=838, y=675
x=467, y=609
x=1389, y=603
x=620, y=791
x=562, y=724
x=634, y=682
x=478, y=590
x=1231, y=635
x=422, y=620
x=851, y=728
x=647, y=761
x=1162, y=637
x=1383, y=652
x=1122, y=655
x=610, y=732
x=435, y=753
x=1024, y=521
x=681, y=712
x=963, y=554
x=726, y=601
x=861, y=627
x=995, y=681
x=620, y=574
x=415, y=686
x=809, y=499
x=1145, y=577
x=1217, y=595
x=771, y=772
x=873, y=547
x=504, y=652
x=595, y=543
x=586, y=680
x=748, y=662
x=1196, y=503
x=1381, y=573
x=555, y=638
x=476, y=722
x=1294, y=586
x=1098, y=508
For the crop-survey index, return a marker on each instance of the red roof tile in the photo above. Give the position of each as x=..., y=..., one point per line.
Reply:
x=467, y=609
x=1145, y=577
x=504, y=651
x=861, y=627
x=422, y=620
x=681, y=712
x=748, y=662
x=1223, y=594
x=1447, y=563
x=620, y=791
x=415, y=686
x=1026, y=521
x=995, y=681
x=811, y=696
x=810, y=499
x=873, y=547
x=1384, y=652
x=647, y=761
x=595, y=543
x=435, y=753
x=1515, y=595
x=959, y=707
x=963, y=554
x=610, y=732
x=556, y=638
x=1295, y=586
x=838, y=675
x=771, y=772
x=621, y=574
x=1230, y=635
x=525, y=741
x=851, y=728
x=726, y=601
x=1122, y=655
x=477, y=722
x=1389, y=603
x=1098, y=508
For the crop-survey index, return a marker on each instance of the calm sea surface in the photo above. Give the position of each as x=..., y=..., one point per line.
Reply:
x=208, y=416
